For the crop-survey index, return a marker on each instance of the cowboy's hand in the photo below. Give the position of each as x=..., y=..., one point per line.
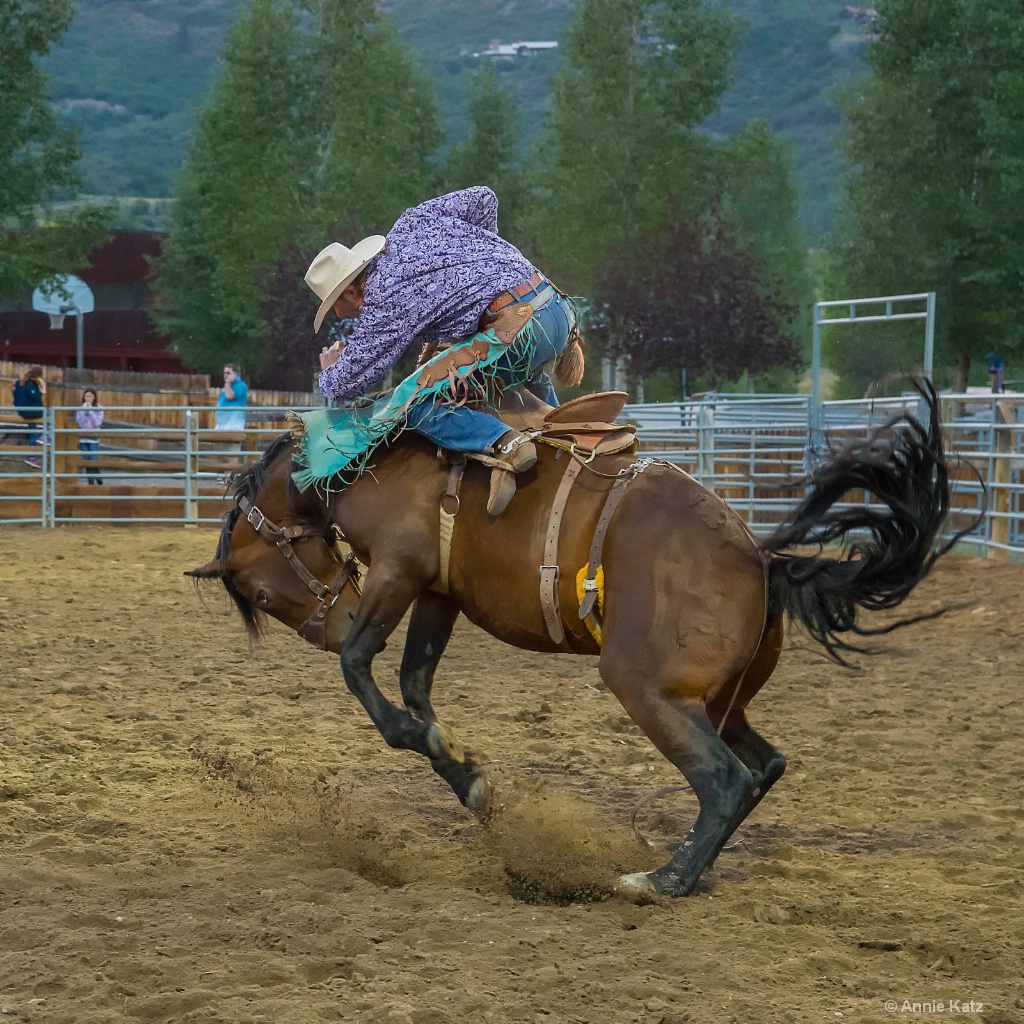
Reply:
x=329, y=356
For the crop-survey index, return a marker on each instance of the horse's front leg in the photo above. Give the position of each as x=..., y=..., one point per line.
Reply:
x=430, y=629
x=386, y=596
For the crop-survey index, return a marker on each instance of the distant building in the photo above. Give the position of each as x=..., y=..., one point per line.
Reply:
x=119, y=335
x=859, y=15
x=653, y=41
x=513, y=51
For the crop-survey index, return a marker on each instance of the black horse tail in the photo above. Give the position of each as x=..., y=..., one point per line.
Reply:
x=888, y=548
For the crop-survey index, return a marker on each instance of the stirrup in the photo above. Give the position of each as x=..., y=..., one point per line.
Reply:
x=519, y=451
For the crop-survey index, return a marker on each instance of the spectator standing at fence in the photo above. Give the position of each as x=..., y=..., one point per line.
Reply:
x=90, y=418
x=234, y=397
x=29, y=395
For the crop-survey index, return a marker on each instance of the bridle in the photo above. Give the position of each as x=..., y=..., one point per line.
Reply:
x=314, y=628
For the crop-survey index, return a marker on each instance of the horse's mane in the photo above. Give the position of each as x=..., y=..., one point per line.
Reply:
x=246, y=483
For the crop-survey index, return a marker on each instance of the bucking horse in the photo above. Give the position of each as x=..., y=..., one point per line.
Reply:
x=602, y=552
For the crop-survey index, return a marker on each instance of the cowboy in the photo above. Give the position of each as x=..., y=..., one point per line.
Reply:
x=441, y=273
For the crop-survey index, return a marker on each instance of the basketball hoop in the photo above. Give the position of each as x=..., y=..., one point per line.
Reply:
x=66, y=295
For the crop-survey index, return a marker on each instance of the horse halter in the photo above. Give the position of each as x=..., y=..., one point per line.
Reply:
x=314, y=628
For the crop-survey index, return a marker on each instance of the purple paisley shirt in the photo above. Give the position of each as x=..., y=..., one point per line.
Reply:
x=442, y=266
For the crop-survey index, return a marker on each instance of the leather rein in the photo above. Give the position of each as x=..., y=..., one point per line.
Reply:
x=314, y=628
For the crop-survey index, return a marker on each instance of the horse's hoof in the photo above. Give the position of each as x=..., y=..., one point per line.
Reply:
x=443, y=745
x=480, y=797
x=638, y=887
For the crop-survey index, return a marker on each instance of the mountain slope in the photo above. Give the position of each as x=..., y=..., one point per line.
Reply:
x=132, y=74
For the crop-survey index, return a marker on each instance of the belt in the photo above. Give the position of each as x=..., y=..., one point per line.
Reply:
x=516, y=293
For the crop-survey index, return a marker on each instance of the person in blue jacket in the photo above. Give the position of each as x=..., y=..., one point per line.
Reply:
x=28, y=400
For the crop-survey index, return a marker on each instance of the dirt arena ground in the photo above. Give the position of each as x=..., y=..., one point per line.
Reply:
x=191, y=830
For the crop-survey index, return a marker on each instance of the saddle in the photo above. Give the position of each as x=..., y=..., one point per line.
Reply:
x=585, y=425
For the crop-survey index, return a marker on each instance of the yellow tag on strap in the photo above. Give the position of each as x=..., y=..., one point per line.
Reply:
x=592, y=621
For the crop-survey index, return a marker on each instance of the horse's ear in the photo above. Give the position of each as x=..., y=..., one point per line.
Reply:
x=211, y=571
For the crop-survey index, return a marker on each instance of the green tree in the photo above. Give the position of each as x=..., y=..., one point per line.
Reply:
x=619, y=150
x=935, y=201
x=240, y=193
x=760, y=205
x=760, y=209
x=623, y=167
x=373, y=113
x=321, y=127
x=487, y=156
x=37, y=156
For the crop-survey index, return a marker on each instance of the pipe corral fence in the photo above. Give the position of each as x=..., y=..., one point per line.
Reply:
x=754, y=451
x=169, y=464
x=165, y=464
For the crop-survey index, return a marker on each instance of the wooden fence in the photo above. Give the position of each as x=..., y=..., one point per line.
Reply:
x=110, y=378
x=152, y=399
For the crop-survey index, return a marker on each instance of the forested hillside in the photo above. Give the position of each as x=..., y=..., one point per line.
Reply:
x=133, y=72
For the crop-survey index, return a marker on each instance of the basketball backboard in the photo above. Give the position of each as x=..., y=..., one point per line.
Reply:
x=51, y=301
x=78, y=299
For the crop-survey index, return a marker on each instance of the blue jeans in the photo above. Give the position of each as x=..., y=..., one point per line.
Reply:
x=468, y=430
x=89, y=448
x=34, y=427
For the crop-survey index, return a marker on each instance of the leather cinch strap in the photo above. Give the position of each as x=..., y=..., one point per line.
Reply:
x=451, y=496
x=610, y=505
x=447, y=532
x=549, y=571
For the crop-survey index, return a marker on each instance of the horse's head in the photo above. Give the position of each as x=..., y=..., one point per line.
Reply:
x=278, y=555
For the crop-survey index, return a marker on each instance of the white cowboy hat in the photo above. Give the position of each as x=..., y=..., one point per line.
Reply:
x=336, y=267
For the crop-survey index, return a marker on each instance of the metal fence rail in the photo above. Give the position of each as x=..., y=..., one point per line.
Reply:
x=752, y=450
x=23, y=479
x=126, y=472
x=755, y=450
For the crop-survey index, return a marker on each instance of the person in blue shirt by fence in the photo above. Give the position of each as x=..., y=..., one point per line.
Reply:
x=234, y=397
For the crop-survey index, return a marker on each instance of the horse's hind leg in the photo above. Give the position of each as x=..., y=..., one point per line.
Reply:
x=765, y=761
x=680, y=728
x=430, y=628
x=727, y=713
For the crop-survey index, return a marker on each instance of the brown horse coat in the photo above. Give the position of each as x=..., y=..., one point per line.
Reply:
x=693, y=606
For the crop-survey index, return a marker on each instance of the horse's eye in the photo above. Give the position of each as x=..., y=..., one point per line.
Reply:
x=261, y=598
